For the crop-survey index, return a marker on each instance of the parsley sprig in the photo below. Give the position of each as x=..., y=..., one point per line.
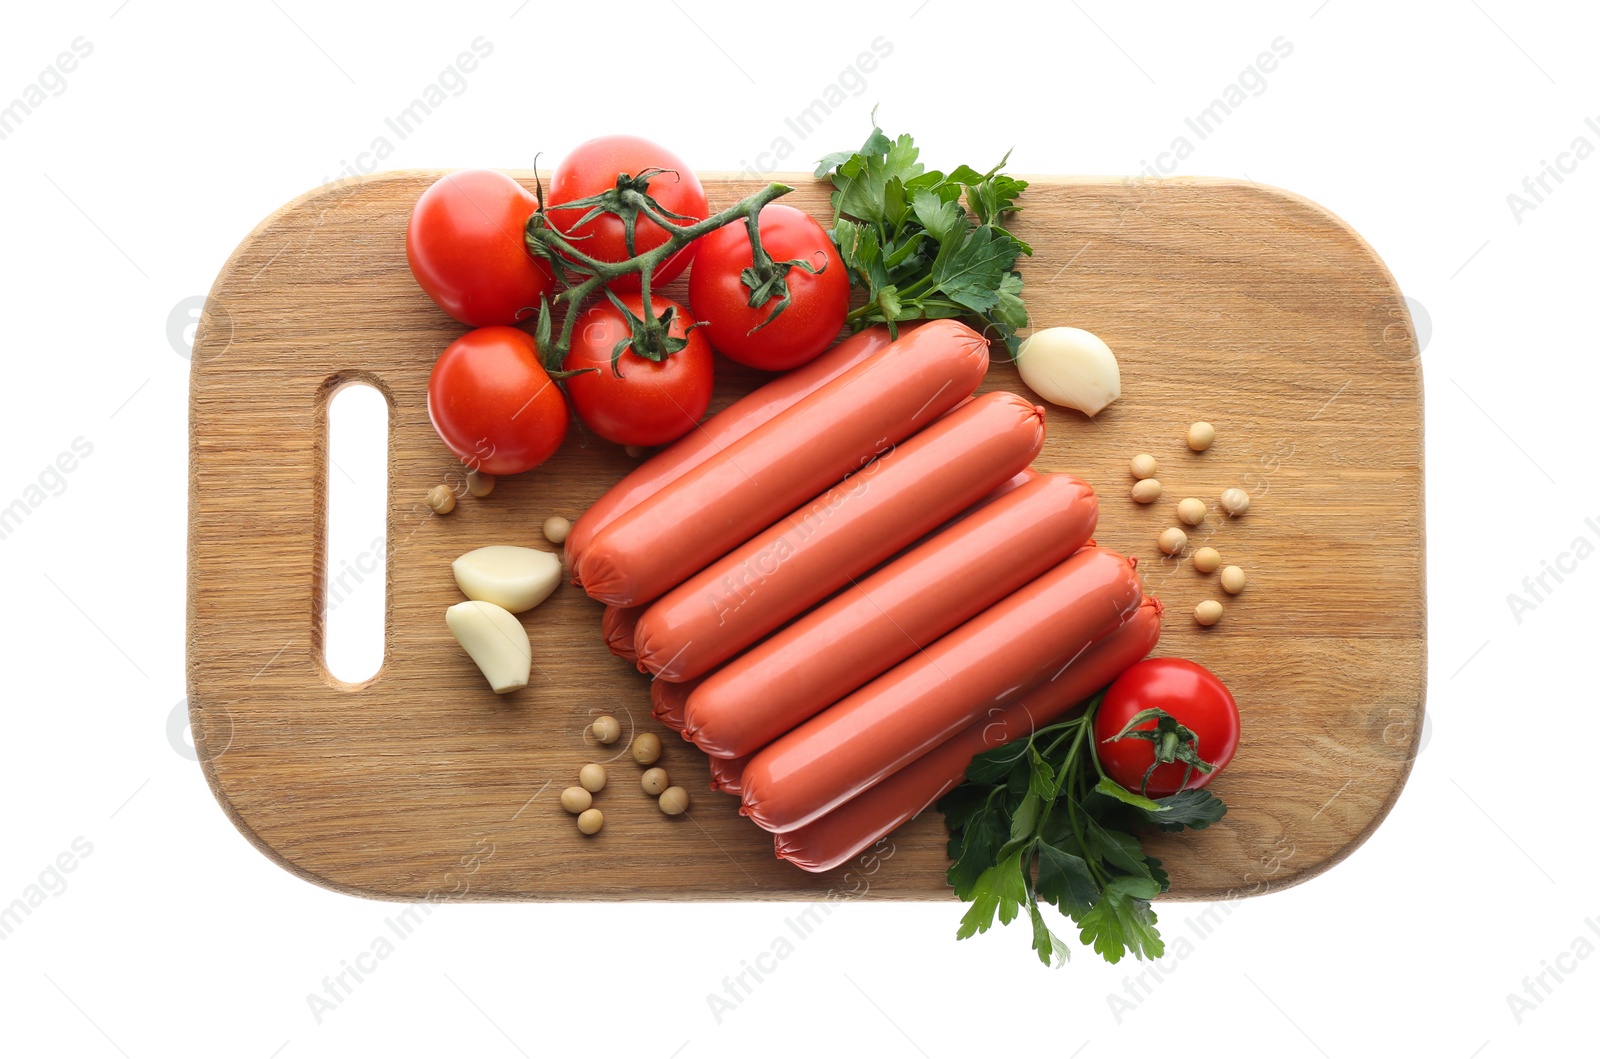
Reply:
x=909, y=243
x=1040, y=821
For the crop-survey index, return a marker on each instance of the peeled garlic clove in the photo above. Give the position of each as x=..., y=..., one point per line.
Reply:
x=495, y=640
x=1071, y=367
x=516, y=579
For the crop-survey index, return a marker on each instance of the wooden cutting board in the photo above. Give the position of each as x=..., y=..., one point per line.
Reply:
x=1230, y=302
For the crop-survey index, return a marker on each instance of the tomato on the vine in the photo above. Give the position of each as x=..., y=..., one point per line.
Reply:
x=1194, y=698
x=493, y=404
x=799, y=252
x=592, y=169
x=466, y=248
x=637, y=400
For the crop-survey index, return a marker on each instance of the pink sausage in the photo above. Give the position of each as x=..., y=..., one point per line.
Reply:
x=1024, y=640
x=616, y=625
x=715, y=434
x=805, y=450
x=725, y=773
x=666, y=702
x=870, y=516
x=832, y=839
x=877, y=623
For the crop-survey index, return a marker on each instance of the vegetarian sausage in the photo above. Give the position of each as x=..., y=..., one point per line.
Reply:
x=616, y=625
x=1023, y=640
x=666, y=702
x=784, y=462
x=887, y=505
x=715, y=434
x=835, y=837
x=725, y=772
x=885, y=618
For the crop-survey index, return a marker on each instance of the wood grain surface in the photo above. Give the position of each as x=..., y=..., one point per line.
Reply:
x=1239, y=304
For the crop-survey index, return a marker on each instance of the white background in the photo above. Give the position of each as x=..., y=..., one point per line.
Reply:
x=188, y=123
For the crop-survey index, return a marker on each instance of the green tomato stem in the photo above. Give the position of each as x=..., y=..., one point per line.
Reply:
x=553, y=244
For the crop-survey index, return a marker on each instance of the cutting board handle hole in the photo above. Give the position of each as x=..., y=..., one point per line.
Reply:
x=354, y=586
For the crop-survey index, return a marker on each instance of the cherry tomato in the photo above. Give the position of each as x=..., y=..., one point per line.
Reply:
x=466, y=250
x=1193, y=696
x=817, y=302
x=593, y=168
x=640, y=402
x=493, y=404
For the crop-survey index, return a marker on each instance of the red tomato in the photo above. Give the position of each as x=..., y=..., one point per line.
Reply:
x=466, y=250
x=593, y=168
x=640, y=402
x=492, y=403
x=817, y=306
x=1193, y=696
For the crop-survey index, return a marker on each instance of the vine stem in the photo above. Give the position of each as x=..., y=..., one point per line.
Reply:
x=600, y=273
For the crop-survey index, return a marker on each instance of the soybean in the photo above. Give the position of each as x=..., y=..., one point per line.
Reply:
x=1191, y=511
x=654, y=781
x=1233, y=580
x=590, y=821
x=606, y=729
x=1143, y=466
x=673, y=800
x=1146, y=490
x=556, y=529
x=1172, y=540
x=592, y=777
x=646, y=748
x=1207, y=559
x=1235, y=501
x=575, y=800
x=1208, y=612
x=480, y=484
x=1201, y=436
x=441, y=500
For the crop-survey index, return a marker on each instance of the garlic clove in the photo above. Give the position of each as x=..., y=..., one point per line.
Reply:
x=516, y=579
x=1071, y=367
x=496, y=641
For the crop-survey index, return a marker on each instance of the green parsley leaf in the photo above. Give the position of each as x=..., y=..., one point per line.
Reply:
x=1158, y=874
x=938, y=215
x=1041, y=776
x=1033, y=824
x=938, y=240
x=981, y=840
x=1117, y=848
x=961, y=804
x=1008, y=308
x=1026, y=817
x=1121, y=922
x=971, y=274
x=1064, y=880
x=1116, y=790
x=994, y=765
x=1198, y=809
x=1000, y=891
x=1053, y=952
x=889, y=303
x=993, y=196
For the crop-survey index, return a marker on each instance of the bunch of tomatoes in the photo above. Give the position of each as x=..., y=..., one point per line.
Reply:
x=490, y=396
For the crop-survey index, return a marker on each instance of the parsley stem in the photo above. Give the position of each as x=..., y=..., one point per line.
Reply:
x=1088, y=722
x=1071, y=725
x=1067, y=781
x=861, y=312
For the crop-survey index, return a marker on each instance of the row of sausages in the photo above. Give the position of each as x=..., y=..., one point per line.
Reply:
x=850, y=582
